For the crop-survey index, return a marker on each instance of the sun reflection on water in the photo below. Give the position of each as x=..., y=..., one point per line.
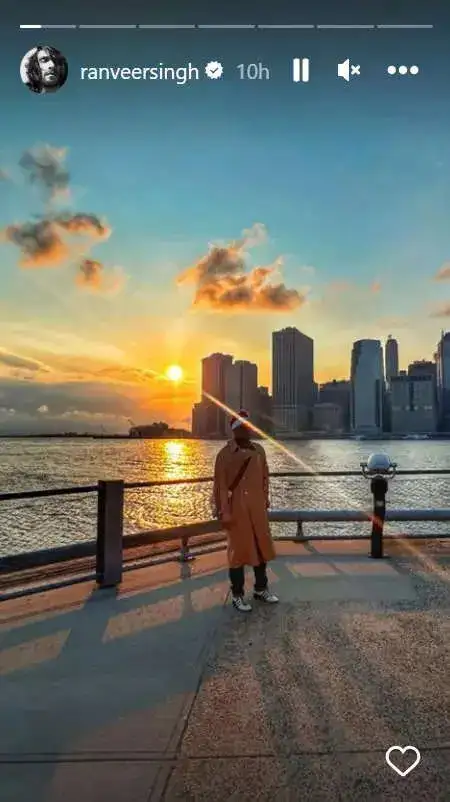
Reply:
x=174, y=452
x=169, y=505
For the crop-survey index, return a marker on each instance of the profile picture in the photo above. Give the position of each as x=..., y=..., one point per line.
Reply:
x=43, y=69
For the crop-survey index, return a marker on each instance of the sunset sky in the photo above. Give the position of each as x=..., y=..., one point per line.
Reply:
x=139, y=244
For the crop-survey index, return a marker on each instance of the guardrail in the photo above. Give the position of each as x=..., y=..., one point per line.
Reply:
x=111, y=546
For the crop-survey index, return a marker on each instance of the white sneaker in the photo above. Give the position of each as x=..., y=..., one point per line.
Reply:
x=241, y=605
x=266, y=596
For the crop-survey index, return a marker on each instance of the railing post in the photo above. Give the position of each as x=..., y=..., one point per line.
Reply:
x=110, y=533
x=379, y=488
x=185, y=554
x=300, y=533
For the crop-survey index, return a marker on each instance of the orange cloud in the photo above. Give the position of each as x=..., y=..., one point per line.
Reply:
x=92, y=275
x=442, y=310
x=223, y=282
x=42, y=242
x=443, y=274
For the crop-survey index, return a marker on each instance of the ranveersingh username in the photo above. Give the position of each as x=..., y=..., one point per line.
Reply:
x=180, y=74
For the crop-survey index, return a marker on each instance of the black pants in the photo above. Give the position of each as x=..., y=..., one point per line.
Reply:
x=237, y=579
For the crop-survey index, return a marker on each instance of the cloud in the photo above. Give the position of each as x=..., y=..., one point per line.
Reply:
x=81, y=365
x=31, y=398
x=252, y=237
x=42, y=242
x=44, y=165
x=223, y=283
x=52, y=239
x=6, y=411
x=86, y=406
x=83, y=414
x=91, y=403
x=92, y=276
x=441, y=310
x=46, y=343
x=15, y=361
x=126, y=375
x=443, y=274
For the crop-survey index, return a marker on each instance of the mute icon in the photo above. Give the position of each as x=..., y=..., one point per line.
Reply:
x=346, y=70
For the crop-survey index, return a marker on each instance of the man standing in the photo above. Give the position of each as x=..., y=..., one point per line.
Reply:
x=241, y=493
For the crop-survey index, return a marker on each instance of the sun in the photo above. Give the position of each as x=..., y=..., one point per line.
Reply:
x=174, y=373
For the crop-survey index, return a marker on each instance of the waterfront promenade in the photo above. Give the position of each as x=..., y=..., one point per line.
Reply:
x=161, y=691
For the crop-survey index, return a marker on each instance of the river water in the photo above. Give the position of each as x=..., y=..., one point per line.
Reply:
x=30, y=464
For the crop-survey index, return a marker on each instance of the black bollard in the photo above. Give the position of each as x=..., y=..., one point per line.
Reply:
x=379, y=488
x=110, y=533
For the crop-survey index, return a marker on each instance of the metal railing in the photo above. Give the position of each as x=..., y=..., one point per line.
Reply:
x=111, y=546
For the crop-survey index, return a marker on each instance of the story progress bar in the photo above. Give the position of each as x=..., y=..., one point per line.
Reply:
x=225, y=27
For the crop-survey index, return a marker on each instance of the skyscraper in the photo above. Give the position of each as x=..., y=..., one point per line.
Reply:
x=265, y=410
x=366, y=397
x=391, y=358
x=241, y=386
x=292, y=379
x=337, y=392
x=214, y=376
x=413, y=404
x=422, y=367
x=443, y=380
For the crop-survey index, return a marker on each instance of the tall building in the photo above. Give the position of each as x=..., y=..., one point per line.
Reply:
x=215, y=369
x=316, y=391
x=366, y=396
x=241, y=386
x=422, y=367
x=425, y=367
x=391, y=358
x=199, y=420
x=443, y=380
x=413, y=404
x=338, y=393
x=292, y=379
x=264, y=418
x=327, y=417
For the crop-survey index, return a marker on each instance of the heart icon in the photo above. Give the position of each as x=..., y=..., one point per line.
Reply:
x=403, y=750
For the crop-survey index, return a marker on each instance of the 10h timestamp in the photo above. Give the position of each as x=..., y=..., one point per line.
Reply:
x=256, y=71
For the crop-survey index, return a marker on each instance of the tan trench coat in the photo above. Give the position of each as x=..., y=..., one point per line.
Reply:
x=249, y=538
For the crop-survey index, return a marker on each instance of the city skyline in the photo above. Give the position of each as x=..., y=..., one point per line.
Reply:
x=377, y=397
x=126, y=253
